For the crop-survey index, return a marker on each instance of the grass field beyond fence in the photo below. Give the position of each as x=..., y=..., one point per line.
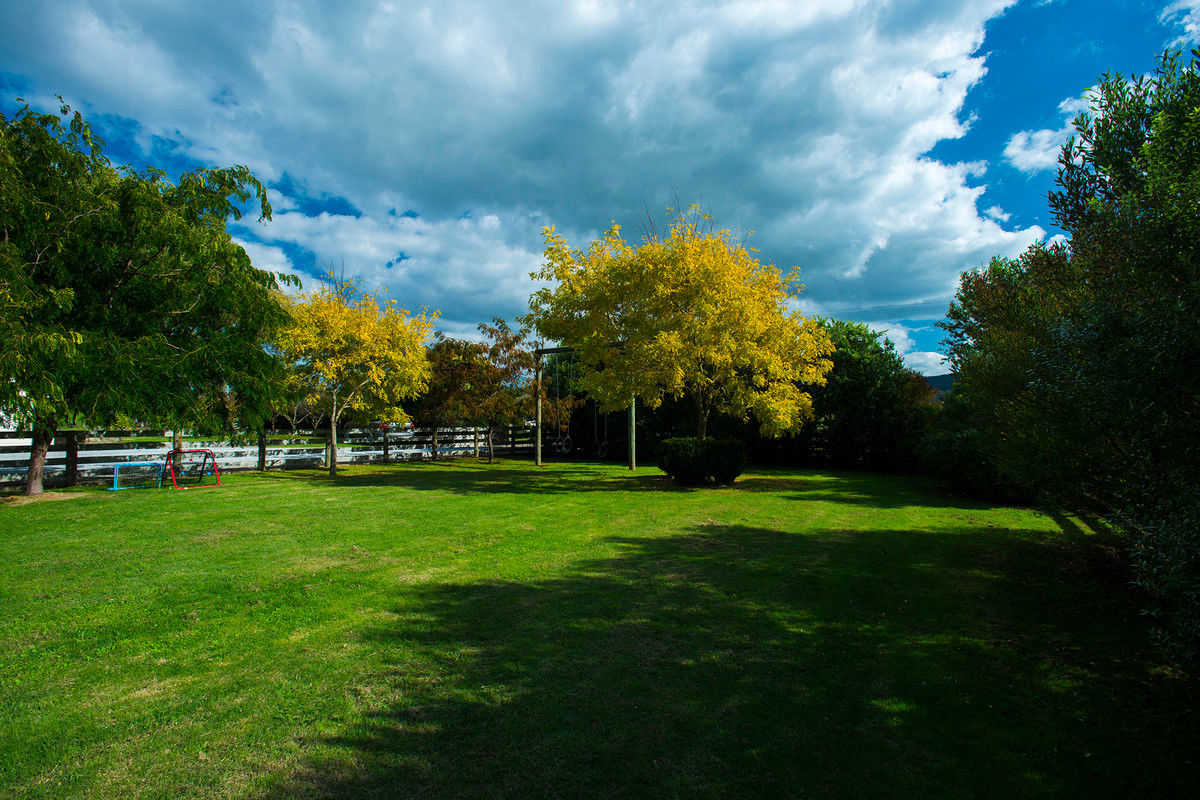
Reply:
x=459, y=630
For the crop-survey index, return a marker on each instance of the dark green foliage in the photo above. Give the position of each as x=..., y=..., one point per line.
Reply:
x=1080, y=370
x=1130, y=362
x=458, y=370
x=872, y=411
x=956, y=446
x=696, y=462
x=122, y=293
x=993, y=437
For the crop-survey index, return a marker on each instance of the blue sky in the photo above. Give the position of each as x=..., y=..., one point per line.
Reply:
x=882, y=147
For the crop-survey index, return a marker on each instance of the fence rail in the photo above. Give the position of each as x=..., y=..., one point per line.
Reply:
x=89, y=456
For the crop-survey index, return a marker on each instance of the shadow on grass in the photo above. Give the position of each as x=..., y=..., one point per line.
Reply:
x=872, y=489
x=733, y=661
x=471, y=476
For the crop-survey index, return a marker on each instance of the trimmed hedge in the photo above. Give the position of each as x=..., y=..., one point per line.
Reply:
x=694, y=462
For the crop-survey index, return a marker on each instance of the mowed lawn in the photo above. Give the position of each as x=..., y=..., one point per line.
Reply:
x=465, y=630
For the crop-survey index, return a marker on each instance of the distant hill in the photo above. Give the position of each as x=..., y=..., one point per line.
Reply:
x=942, y=383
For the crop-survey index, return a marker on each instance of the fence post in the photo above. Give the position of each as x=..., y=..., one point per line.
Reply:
x=512, y=440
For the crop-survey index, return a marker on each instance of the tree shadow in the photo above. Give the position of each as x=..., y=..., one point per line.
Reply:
x=464, y=476
x=872, y=489
x=468, y=477
x=733, y=661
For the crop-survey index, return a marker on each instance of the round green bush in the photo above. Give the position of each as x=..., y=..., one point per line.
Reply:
x=695, y=462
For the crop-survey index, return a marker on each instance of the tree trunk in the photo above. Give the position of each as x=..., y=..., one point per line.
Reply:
x=491, y=446
x=44, y=429
x=332, y=446
x=434, y=450
x=701, y=419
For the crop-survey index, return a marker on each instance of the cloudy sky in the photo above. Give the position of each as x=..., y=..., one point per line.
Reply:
x=881, y=146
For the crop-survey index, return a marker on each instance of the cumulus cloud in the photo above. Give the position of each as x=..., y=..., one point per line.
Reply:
x=926, y=363
x=907, y=344
x=1185, y=13
x=272, y=259
x=463, y=267
x=1034, y=151
x=810, y=123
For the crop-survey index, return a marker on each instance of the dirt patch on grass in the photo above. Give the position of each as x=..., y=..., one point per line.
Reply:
x=48, y=497
x=212, y=537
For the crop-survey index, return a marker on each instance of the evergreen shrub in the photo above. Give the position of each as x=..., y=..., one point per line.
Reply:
x=696, y=462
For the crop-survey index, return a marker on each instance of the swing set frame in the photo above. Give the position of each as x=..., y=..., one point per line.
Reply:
x=538, y=355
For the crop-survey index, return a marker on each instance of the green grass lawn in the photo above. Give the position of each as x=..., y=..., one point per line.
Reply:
x=460, y=630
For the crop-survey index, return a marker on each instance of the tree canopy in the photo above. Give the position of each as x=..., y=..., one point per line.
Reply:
x=691, y=314
x=123, y=293
x=1080, y=365
x=871, y=410
x=352, y=352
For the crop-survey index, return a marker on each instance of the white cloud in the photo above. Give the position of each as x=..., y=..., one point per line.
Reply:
x=420, y=263
x=927, y=363
x=271, y=259
x=1034, y=151
x=810, y=123
x=921, y=361
x=1185, y=13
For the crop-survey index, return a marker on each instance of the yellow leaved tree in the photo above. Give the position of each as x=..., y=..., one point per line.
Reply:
x=690, y=314
x=351, y=352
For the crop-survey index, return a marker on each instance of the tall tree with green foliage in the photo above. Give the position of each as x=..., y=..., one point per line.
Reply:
x=123, y=293
x=1085, y=365
x=1001, y=431
x=870, y=411
x=1129, y=363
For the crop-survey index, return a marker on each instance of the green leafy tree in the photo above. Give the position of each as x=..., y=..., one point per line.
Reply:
x=871, y=410
x=1081, y=366
x=690, y=314
x=1000, y=327
x=1128, y=362
x=123, y=294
